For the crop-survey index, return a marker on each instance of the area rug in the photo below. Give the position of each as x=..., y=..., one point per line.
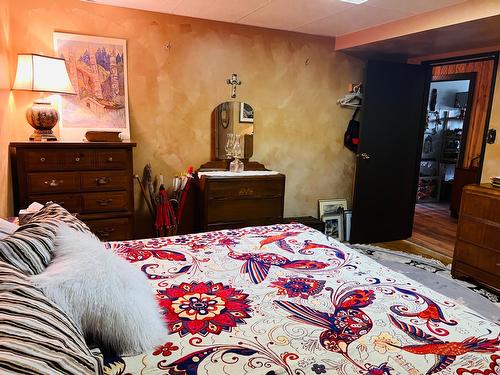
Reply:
x=437, y=276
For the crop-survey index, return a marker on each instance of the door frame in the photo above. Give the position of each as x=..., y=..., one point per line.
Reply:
x=471, y=77
x=494, y=55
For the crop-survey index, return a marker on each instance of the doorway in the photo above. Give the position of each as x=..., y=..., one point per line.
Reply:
x=456, y=122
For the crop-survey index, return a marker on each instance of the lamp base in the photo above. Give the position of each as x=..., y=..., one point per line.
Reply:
x=42, y=116
x=43, y=135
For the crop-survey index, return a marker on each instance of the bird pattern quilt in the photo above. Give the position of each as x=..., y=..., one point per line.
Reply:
x=285, y=299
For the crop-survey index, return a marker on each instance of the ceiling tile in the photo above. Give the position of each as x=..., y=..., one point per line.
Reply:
x=286, y=14
x=219, y=10
x=352, y=19
x=412, y=6
x=322, y=17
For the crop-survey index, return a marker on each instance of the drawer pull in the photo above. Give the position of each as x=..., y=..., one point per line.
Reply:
x=77, y=159
x=110, y=159
x=105, y=232
x=245, y=191
x=104, y=202
x=42, y=160
x=103, y=180
x=53, y=183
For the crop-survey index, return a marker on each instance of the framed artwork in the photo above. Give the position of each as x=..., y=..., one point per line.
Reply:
x=246, y=112
x=334, y=226
x=97, y=68
x=331, y=206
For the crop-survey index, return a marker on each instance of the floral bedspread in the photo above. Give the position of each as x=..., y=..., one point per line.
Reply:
x=284, y=299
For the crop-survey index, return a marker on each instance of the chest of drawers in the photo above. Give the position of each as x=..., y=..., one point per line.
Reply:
x=235, y=202
x=94, y=180
x=477, y=249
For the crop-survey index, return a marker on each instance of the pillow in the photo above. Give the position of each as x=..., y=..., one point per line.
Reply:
x=29, y=249
x=110, y=299
x=52, y=212
x=7, y=228
x=37, y=336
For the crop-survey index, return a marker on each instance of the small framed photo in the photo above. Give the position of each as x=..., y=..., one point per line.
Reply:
x=246, y=112
x=334, y=226
x=331, y=206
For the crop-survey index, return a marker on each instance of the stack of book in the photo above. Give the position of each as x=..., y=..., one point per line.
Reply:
x=495, y=181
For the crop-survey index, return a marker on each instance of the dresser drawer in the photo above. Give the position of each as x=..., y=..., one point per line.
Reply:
x=479, y=205
x=226, y=210
x=71, y=202
x=104, y=180
x=111, y=159
x=50, y=182
x=111, y=229
x=483, y=259
x=45, y=160
x=245, y=189
x=105, y=201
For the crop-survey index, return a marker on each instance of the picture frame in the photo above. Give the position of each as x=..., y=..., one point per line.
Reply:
x=331, y=206
x=246, y=113
x=97, y=67
x=334, y=226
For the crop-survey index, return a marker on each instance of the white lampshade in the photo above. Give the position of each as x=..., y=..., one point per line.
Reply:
x=42, y=73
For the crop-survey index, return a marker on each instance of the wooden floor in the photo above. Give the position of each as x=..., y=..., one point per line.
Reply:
x=434, y=228
x=412, y=248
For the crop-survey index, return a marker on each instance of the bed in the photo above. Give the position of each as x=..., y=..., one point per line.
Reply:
x=285, y=299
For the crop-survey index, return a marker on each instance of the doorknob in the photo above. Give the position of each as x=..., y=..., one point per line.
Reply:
x=363, y=156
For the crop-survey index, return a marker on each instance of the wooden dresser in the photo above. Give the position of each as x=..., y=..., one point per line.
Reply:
x=477, y=250
x=235, y=202
x=94, y=180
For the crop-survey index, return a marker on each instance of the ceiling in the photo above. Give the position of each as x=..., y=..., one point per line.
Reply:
x=477, y=34
x=320, y=17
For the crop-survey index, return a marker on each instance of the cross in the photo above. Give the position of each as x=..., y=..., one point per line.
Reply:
x=234, y=81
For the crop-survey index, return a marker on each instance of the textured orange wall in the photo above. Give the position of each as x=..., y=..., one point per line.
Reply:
x=4, y=109
x=292, y=81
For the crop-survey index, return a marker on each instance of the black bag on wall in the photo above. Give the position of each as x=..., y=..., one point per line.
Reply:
x=351, y=136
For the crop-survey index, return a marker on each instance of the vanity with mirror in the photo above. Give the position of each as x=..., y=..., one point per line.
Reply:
x=234, y=192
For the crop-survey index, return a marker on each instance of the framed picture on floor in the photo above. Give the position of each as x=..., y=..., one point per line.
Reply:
x=334, y=226
x=97, y=68
x=347, y=224
x=331, y=206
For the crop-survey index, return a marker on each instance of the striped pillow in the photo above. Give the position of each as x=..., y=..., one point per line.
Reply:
x=37, y=337
x=30, y=248
x=53, y=212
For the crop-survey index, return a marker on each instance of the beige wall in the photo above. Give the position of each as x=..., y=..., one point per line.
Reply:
x=4, y=109
x=291, y=80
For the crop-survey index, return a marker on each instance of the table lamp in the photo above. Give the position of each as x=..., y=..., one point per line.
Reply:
x=43, y=74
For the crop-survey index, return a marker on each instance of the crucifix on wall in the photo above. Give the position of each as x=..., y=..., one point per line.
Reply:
x=234, y=82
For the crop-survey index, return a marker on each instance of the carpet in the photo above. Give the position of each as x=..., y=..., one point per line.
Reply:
x=436, y=276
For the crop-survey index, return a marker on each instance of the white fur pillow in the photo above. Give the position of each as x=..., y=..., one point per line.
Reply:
x=111, y=300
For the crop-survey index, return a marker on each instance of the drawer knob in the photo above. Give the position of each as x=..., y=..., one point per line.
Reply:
x=104, y=202
x=42, y=160
x=103, y=180
x=77, y=159
x=53, y=183
x=110, y=159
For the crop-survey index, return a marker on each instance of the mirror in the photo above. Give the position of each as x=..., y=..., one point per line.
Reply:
x=233, y=118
